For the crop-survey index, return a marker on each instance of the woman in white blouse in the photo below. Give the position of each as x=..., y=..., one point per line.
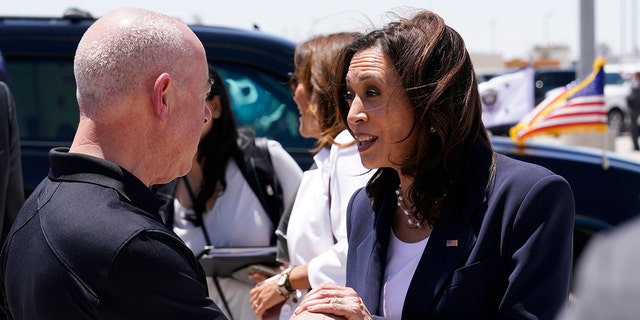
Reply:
x=316, y=234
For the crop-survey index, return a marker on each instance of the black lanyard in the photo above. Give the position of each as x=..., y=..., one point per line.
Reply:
x=198, y=215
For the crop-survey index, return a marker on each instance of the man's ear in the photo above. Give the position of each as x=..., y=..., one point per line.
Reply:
x=159, y=96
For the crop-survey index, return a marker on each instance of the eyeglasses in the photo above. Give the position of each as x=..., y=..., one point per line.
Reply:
x=293, y=82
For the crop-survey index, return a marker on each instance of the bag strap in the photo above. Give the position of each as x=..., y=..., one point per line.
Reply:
x=254, y=161
x=282, y=247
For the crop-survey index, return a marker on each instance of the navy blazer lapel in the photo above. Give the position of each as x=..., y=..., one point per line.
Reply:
x=448, y=245
x=450, y=242
x=369, y=251
x=374, y=247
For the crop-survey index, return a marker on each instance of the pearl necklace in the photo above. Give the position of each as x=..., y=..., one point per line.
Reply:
x=410, y=219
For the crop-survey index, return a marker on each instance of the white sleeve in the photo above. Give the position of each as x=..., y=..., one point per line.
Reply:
x=346, y=176
x=286, y=168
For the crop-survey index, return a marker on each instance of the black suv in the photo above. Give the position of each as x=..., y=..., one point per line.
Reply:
x=39, y=56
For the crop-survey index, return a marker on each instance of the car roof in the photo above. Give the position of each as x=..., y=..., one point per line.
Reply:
x=61, y=35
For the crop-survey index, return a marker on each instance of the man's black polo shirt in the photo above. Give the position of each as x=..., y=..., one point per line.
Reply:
x=89, y=244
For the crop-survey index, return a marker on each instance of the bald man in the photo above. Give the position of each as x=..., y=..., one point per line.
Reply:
x=89, y=243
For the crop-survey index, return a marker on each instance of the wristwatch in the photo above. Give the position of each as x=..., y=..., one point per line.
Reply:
x=284, y=286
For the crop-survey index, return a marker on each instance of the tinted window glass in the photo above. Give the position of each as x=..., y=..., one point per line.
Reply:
x=259, y=100
x=613, y=78
x=547, y=80
x=263, y=102
x=45, y=95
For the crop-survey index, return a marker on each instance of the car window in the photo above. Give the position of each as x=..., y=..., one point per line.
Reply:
x=45, y=95
x=613, y=78
x=546, y=80
x=552, y=79
x=263, y=102
x=260, y=100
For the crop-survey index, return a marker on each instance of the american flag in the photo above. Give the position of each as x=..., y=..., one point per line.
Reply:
x=578, y=107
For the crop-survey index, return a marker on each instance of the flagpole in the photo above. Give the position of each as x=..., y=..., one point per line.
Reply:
x=605, y=146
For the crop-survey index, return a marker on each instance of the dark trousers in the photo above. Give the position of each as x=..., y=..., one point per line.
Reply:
x=633, y=127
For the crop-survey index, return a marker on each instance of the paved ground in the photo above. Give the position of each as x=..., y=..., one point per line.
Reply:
x=624, y=147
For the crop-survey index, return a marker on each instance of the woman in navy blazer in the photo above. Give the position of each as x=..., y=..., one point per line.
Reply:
x=446, y=228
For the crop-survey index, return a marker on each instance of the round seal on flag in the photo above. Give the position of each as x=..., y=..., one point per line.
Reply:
x=489, y=98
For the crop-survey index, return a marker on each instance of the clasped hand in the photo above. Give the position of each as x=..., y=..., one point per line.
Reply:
x=331, y=301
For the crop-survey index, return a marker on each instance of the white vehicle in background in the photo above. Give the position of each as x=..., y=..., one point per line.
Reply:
x=616, y=90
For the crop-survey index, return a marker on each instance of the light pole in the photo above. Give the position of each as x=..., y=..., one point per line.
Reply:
x=623, y=27
x=634, y=27
x=587, y=37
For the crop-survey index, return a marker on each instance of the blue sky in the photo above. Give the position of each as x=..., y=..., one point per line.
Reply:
x=508, y=27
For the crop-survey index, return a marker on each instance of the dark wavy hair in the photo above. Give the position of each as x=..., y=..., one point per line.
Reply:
x=218, y=146
x=436, y=71
x=315, y=68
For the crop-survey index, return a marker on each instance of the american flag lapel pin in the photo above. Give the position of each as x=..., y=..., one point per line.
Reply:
x=452, y=243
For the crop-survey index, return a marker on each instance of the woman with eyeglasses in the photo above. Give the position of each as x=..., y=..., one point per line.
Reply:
x=316, y=233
